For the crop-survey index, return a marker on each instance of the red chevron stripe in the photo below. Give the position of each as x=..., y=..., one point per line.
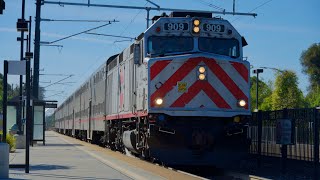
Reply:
x=157, y=67
x=242, y=70
x=226, y=80
x=185, y=98
x=215, y=96
x=182, y=72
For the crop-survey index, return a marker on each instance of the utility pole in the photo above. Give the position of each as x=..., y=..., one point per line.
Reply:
x=234, y=6
x=19, y=122
x=257, y=71
x=2, y=6
x=36, y=51
x=29, y=119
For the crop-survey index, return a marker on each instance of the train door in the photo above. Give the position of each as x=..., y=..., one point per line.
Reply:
x=121, y=87
x=134, y=86
x=139, y=81
x=90, y=115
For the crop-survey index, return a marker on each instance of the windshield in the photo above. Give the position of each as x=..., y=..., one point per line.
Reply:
x=162, y=45
x=227, y=47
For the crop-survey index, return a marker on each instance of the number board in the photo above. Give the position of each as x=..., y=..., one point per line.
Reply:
x=176, y=26
x=213, y=27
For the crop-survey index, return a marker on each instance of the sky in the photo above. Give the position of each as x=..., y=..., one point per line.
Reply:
x=276, y=37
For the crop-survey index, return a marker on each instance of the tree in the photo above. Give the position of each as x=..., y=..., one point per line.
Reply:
x=286, y=93
x=41, y=93
x=11, y=91
x=310, y=61
x=313, y=97
x=265, y=91
x=50, y=121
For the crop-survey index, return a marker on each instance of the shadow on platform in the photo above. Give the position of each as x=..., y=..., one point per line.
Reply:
x=51, y=136
x=63, y=145
x=59, y=176
x=44, y=167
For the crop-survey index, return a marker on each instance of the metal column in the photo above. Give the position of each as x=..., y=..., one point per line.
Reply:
x=36, y=51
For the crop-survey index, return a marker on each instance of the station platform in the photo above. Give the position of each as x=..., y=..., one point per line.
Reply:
x=67, y=158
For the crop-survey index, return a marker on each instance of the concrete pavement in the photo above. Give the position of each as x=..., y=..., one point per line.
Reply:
x=61, y=159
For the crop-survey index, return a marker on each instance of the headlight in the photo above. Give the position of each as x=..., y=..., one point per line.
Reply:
x=159, y=101
x=196, y=26
x=236, y=119
x=202, y=76
x=242, y=103
x=202, y=69
x=196, y=29
x=196, y=22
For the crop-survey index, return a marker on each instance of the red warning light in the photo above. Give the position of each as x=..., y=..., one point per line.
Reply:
x=158, y=29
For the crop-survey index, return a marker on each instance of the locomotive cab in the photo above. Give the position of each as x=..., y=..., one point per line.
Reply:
x=198, y=89
x=184, y=52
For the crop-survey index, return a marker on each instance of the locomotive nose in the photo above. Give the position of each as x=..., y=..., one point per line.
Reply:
x=199, y=83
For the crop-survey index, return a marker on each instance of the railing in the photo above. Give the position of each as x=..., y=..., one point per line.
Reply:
x=263, y=133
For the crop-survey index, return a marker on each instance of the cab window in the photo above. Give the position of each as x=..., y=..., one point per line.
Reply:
x=226, y=47
x=161, y=45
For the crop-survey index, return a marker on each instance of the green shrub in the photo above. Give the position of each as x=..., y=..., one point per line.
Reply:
x=11, y=140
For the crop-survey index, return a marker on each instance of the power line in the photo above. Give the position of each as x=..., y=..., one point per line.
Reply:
x=55, y=94
x=66, y=83
x=52, y=45
x=211, y=5
x=142, y=8
x=153, y=3
x=58, y=81
x=81, y=32
x=266, y=2
x=75, y=20
x=260, y=5
x=109, y=35
x=117, y=41
x=132, y=20
x=45, y=82
x=57, y=74
x=53, y=90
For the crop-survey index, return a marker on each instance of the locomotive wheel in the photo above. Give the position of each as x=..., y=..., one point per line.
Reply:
x=145, y=154
x=112, y=146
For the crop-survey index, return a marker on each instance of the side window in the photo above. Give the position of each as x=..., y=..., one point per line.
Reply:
x=150, y=48
x=234, y=51
x=137, y=54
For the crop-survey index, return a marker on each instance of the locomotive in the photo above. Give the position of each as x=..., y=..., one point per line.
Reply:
x=178, y=94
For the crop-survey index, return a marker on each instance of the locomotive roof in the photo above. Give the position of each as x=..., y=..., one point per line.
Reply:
x=111, y=58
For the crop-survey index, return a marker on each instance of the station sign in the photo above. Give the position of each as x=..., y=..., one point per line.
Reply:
x=285, y=131
x=51, y=105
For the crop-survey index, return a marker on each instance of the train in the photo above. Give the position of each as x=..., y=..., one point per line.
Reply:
x=180, y=94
